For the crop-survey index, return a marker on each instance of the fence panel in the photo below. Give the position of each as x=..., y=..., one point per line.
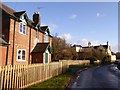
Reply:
x=21, y=76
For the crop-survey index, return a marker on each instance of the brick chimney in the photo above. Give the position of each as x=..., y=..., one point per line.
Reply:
x=89, y=44
x=107, y=42
x=36, y=18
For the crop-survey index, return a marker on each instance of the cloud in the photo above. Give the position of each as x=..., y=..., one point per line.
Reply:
x=84, y=42
x=98, y=14
x=67, y=37
x=53, y=27
x=74, y=16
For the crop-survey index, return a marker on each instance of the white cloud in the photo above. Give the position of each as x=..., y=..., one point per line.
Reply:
x=53, y=27
x=84, y=42
x=98, y=14
x=74, y=16
x=67, y=37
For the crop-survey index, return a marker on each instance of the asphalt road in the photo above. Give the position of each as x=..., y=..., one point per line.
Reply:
x=101, y=77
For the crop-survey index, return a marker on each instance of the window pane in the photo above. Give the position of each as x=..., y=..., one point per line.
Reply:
x=19, y=52
x=23, y=55
x=36, y=34
x=19, y=57
x=20, y=27
x=45, y=38
x=24, y=29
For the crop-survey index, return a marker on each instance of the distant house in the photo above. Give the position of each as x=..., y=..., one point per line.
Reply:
x=26, y=40
x=78, y=48
x=106, y=48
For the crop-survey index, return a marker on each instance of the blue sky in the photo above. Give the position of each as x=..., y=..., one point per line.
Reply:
x=77, y=22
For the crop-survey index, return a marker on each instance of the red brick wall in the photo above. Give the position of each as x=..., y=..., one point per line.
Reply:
x=50, y=40
x=3, y=52
x=40, y=37
x=21, y=41
x=10, y=48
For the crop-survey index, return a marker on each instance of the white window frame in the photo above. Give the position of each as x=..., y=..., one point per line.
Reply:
x=46, y=37
x=21, y=55
x=36, y=34
x=22, y=30
x=21, y=17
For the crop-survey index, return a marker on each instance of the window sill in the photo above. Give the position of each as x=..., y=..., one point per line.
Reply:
x=22, y=33
x=21, y=60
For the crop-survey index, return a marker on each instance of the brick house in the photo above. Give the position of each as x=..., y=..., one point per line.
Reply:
x=29, y=42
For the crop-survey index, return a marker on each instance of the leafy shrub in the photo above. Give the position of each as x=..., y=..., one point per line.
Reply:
x=92, y=59
x=106, y=59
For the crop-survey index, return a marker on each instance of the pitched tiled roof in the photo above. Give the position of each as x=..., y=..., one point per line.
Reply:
x=95, y=47
x=7, y=9
x=85, y=47
x=105, y=46
x=44, y=28
x=40, y=47
x=18, y=14
x=77, y=46
x=15, y=14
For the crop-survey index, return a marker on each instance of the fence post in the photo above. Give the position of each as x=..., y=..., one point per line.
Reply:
x=0, y=78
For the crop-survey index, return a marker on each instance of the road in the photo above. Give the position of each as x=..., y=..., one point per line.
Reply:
x=100, y=77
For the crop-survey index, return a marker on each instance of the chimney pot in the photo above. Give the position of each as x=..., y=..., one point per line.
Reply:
x=36, y=18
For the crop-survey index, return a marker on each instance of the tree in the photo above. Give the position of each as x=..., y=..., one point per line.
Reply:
x=62, y=50
x=58, y=45
x=99, y=54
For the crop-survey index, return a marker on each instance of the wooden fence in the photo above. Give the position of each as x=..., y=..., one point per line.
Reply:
x=22, y=76
x=76, y=62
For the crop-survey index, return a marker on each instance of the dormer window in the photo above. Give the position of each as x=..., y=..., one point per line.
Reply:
x=37, y=34
x=46, y=37
x=21, y=17
x=22, y=28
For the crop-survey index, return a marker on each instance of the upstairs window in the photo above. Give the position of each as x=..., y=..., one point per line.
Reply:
x=21, y=55
x=37, y=34
x=45, y=38
x=22, y=28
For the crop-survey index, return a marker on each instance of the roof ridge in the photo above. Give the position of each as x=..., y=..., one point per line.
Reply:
x=1, y=5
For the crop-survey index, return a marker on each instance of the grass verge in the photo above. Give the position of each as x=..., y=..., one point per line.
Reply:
x=61, y=81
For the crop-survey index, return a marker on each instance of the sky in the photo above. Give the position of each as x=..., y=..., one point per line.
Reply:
x=77, y=22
